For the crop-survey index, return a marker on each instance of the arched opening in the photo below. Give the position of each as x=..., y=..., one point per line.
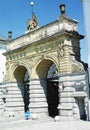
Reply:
x=47, y=70
x=22, y=77
x=52, y=90
x=26, y=92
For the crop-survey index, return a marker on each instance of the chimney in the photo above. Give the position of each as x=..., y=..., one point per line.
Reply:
x=9, y=35
x=62, y=9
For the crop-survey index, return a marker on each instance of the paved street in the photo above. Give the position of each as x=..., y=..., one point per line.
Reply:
x=43, y=124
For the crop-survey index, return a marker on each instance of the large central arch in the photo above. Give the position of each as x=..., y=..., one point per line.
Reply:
x=47, y=70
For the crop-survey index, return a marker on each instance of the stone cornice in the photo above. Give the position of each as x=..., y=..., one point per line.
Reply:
x=65, y=17
x=56, y=36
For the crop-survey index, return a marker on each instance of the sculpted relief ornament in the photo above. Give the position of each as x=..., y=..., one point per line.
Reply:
x=76, y=65
x=61, y=49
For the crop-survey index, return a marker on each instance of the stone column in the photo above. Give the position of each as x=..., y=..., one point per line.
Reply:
x=14, y=99
x=38, y=101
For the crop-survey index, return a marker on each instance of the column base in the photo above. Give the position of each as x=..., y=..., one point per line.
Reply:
x=38, y=110
x=65, y=118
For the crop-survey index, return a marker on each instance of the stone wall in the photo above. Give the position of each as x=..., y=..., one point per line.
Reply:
x=72, y=87
x=11, y=99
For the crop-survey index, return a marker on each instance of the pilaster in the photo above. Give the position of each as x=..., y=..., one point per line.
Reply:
x=38, y=101
x=66, y=101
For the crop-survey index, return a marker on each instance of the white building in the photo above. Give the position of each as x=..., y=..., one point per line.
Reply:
x=3, y=47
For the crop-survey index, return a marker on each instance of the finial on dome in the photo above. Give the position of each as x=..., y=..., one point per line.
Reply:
x=32, y=4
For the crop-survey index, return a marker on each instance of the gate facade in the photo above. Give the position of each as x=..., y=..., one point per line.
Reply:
x=42, y=54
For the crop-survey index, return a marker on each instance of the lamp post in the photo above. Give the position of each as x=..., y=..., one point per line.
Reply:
x=86, y=10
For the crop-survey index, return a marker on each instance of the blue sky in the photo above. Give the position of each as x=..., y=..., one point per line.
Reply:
x=14, y=15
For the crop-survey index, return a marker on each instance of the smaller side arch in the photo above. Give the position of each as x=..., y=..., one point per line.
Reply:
x=22, y=78
x=20, y=66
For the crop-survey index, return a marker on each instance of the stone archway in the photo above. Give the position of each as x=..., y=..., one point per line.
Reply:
x=47, y=72
x=22, y=77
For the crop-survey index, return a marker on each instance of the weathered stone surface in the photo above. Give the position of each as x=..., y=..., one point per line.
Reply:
x=34, y=53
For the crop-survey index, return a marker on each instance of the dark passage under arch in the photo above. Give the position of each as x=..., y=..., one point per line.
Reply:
x=26, y=92
x=52, y=97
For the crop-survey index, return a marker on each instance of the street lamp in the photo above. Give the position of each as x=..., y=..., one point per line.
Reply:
x=86, y=10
